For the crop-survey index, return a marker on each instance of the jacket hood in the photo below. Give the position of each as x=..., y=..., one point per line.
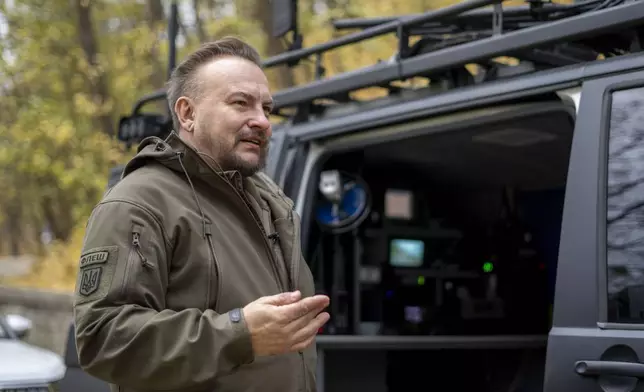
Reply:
x=177, y=155
x=173, y=153
x=182, y=158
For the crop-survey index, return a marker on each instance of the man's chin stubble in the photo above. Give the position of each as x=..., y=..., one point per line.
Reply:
x=245, y=168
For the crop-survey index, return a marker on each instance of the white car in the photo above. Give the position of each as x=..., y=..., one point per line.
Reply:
x=23, y=367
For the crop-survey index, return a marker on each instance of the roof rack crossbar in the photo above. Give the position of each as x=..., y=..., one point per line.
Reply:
x=376, y=31
x=515, y=11
x=574, y=27
x=393, y=26
x=577, y=25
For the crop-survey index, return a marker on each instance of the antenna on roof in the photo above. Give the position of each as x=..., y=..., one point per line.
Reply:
x=284, y=14
x=173, y=30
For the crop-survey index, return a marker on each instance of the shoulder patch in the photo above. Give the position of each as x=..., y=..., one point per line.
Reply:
x=96, y=269
x=89, y=280
x=94, y=257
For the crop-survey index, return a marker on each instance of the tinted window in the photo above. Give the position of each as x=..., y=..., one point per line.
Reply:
x=625, y=207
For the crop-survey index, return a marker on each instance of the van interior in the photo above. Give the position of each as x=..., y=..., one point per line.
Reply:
x=447, y=229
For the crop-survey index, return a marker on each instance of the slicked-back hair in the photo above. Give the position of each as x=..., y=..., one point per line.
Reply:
x=182, y=81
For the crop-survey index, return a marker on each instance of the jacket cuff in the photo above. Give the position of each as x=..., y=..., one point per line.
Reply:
x=241, y=350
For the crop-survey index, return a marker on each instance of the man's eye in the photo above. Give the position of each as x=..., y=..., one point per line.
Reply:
x=241, y=103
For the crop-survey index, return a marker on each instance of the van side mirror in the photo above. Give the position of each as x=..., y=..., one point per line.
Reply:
x=19, y=325
x=284, y=14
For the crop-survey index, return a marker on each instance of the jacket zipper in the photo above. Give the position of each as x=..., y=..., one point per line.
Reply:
x=304, y=376
x=295, y=261
x=295, y=270
x=274, y=237
x=214, y=264
x=267, y=245
x=135, y=247
x=136, y=243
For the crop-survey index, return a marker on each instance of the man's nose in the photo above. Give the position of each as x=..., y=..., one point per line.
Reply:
x=260, y=122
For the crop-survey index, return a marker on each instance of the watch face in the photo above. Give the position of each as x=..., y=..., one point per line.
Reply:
x=235, y=315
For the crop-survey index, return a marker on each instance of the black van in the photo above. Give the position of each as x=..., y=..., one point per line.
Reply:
x=485, y=230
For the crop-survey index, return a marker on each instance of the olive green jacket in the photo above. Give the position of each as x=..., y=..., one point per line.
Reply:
x=170, y=254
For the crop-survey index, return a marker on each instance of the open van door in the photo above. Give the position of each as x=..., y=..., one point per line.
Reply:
x=597, y=339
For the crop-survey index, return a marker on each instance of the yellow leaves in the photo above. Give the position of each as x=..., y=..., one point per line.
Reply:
x=40, y=162
x=54, y=32
x=85, y=104
x=64, y=134
x=5, y=152
x=49, y=142
x=120, y=61
x=57, y=270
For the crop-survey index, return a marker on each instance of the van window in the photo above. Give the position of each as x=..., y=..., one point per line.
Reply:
x=625, y=207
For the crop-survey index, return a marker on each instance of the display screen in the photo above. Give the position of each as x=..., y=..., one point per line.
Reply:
x=406, y=252
x=399, y=204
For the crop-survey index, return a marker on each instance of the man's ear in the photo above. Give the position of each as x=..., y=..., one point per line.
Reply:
x=184, y=108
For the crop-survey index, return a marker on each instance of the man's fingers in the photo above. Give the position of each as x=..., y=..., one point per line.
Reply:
x=281, y=299
x=305, y=336
x=311, y=329
x=301, y=322
x=303, y=345
x=301, y=308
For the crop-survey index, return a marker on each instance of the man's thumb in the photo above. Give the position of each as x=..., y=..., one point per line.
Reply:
x=281, y=299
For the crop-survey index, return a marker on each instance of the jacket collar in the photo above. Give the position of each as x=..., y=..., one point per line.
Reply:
x=176, y=154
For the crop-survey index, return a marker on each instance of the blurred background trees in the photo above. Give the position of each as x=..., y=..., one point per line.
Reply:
x=70, y=68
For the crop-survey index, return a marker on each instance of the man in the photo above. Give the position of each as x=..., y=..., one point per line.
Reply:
x=191, y=276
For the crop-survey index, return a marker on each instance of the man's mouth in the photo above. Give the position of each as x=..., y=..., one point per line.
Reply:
x=257, y=142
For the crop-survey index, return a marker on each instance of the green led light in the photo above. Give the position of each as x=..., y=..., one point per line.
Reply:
x=488, y=267
x=421, y=280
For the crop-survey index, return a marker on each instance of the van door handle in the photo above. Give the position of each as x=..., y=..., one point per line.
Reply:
x=609, y=368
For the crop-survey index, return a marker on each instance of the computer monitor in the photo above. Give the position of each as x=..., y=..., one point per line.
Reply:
x=406, y=253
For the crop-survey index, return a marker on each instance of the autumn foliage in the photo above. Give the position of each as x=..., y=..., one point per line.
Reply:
x=69, y=69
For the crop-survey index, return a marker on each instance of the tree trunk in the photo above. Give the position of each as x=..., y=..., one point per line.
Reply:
x=98, y=84
x=156, y=22
x=201, y=32
x=14, y=227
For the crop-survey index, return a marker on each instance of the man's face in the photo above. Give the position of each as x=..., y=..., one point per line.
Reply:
x=230, y=114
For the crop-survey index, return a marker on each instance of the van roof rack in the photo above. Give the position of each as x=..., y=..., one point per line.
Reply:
x=541, y=35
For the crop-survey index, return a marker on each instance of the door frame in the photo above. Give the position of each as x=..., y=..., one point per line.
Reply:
x=579, y=330
x=611, y=84
x=321, y=150
x=276, y=155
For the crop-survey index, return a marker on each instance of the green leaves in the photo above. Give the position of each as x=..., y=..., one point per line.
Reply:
x=60, y=92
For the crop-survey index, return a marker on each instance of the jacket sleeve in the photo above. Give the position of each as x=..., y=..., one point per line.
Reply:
x=125, y=335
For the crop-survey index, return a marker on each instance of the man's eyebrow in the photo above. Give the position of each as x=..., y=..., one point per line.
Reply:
x=267, y=101
x=241, y=93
